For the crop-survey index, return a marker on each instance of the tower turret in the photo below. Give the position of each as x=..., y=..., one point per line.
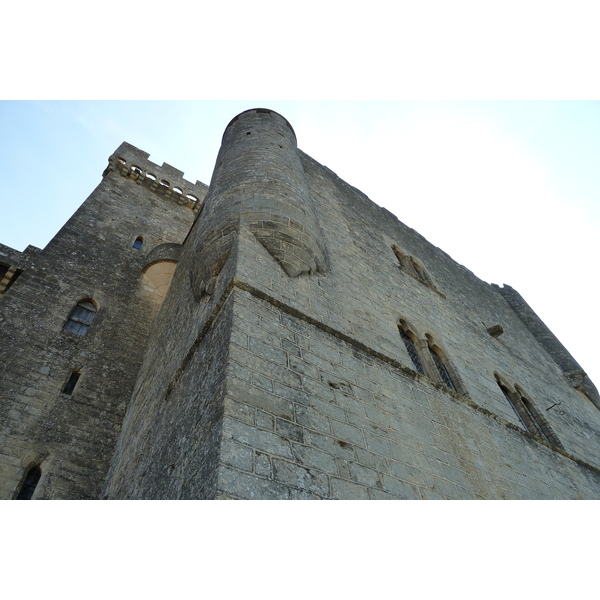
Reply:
x=259, y=183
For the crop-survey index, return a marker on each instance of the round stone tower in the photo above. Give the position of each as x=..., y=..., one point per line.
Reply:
x=258, y=183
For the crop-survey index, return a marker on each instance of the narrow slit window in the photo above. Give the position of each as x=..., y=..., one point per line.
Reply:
x=399, y=257
x=530, y=412
x=543, y=430
x=31, y=480
x=412, y=352
x=443, y=372
x=139, y=242
x=71, y=383
x=506, y=393
x=81, y=318
x=418, y=271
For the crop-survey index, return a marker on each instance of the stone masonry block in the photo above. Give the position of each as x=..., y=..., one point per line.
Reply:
x=346, y=490
x=314, y=458
x=266, y=441
x=237, y=456
x=309, y=418
x=262, y=465
x=348, y=433
x=289, y=430
x=249, y=487
x=261, y=399
x=303, y=368
x=365, y=476
x=301, y=478
x=330, y=445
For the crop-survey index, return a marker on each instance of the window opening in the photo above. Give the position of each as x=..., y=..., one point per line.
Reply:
x=411, y=267
x=139, y=242
x=532, y=421
x=418, y=271
x=542, y=427
x=529, y=411
x=400, y=257
x=412, y=352
x=81, y=317
x=441, y=367
x=71, y=383
x=31, y=480
x=507, y=395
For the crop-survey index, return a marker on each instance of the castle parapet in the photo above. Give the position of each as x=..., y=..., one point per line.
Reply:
x=165, y=181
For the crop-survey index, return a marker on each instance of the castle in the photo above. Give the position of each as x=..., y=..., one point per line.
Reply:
x=275, y=335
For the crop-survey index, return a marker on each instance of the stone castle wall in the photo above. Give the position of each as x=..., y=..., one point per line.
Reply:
x=277, y=363
x=72, y=435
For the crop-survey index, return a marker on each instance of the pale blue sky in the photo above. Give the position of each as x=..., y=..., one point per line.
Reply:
x=509, y=189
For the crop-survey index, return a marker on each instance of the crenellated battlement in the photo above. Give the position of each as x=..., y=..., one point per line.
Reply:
x=165, y=181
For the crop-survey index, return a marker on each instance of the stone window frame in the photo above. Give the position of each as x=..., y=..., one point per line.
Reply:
x=530, y=417
x=435, y=348
x=425, y=347
x=407, y=333
x=71, y=382
x=413, y=267
x=79, y=324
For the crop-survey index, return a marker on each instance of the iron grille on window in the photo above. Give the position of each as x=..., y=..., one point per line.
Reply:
x=412, y=352
x=442, y=371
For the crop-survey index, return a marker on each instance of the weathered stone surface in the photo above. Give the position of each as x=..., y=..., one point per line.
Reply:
x=72, y=436
x=274, y=367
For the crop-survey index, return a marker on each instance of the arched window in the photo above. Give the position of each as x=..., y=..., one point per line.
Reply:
x=538, y=425
x=441, y=368
x=81, y=317
x=419, y=271
x=139, y=242
x=510, y=398
x=31, y=480
x=412, y=267
x=402, y=261
x=409, y=342
x=531, y=419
